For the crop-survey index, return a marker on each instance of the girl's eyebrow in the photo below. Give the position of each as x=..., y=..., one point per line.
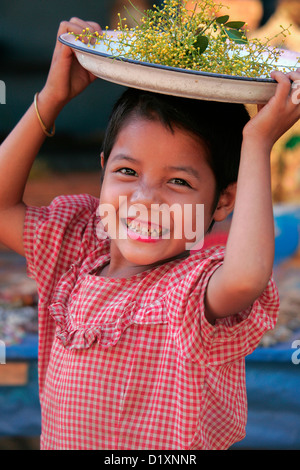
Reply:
x=121, y=156
x=187, y=169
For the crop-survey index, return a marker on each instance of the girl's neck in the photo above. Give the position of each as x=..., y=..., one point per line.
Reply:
x=127, y=271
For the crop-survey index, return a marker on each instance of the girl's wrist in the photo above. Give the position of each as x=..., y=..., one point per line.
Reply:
x=49, y=107
x=256, y=140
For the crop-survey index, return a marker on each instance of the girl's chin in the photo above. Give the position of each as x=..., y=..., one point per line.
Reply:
x=150, y=254
x=142, y=259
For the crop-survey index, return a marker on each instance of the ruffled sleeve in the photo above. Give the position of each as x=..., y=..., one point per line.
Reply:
x=231, y=338
x=57, y=236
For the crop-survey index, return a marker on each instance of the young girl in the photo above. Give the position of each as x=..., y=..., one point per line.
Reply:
x=142, y=343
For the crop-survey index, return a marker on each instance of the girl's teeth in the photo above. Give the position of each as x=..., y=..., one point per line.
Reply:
x=136, y=227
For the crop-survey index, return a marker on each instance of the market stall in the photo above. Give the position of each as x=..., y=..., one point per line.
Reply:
x=19, y=400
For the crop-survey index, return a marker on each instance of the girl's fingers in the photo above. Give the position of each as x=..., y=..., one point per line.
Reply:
x=293, y=73
x=295, y=78
x=69, y=26
x=76, y=25
x=260, y=107
x=284, y=85
x=94, y=26
x=288, y=86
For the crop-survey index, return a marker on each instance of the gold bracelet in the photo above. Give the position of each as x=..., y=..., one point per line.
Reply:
x=48, y=134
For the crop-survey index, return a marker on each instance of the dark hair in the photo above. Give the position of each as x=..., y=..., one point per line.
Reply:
x=220, y=125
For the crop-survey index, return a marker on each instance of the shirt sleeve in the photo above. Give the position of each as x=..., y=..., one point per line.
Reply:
x=232, y=337
x=57, y=236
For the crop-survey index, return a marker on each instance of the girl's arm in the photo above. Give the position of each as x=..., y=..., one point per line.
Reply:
x=66, y=79
x=249, y=256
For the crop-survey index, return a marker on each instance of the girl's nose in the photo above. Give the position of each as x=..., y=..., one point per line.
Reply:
x=145, y=194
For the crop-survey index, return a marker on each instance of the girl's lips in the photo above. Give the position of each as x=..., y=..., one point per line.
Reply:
x=153, y=237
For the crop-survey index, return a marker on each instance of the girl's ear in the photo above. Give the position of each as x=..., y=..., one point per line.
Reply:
x=102, y=160
x=226, y=203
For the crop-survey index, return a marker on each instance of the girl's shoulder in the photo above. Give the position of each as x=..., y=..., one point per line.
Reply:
x=199, y=260
x=75, y=202
x=186, y=272
x=60, y=234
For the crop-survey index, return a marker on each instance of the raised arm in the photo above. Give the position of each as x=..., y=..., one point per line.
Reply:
x=66, y=79
x=249, y=253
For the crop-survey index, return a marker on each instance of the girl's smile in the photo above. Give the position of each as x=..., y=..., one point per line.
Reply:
x=152, y=167
x=143, y=231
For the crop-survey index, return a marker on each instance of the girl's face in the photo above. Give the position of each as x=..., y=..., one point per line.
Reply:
x=155, y=186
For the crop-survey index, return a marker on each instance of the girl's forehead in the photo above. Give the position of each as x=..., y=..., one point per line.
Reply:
x=154, y=134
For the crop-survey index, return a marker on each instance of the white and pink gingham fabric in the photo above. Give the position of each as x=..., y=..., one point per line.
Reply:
x=133, y=363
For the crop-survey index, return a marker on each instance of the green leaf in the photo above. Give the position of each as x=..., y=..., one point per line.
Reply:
x=201, y=43
x=235, y=24
x=222, y=19
x=293, y=142
x=236, y=36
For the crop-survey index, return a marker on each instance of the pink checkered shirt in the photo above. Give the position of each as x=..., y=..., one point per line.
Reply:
x=133, y=363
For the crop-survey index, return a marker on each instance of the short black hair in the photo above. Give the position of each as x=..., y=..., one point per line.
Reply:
x=219, y=125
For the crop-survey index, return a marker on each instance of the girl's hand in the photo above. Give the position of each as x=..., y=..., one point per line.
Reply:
x=278, y=115
x=67, y=78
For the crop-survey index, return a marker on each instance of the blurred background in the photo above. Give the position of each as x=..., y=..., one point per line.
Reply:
x=69, y=163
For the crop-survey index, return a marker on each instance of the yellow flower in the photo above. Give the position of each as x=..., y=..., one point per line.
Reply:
x=169, y=36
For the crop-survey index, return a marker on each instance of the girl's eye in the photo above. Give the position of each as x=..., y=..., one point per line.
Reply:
x=127, y=171
x=179, y=181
